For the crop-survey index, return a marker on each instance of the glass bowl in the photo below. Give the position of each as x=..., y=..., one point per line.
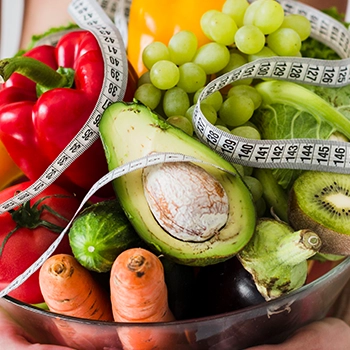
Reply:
x=269, y=322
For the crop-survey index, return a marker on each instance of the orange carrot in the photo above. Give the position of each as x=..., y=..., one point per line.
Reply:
x=139, y=294
x=69, y=289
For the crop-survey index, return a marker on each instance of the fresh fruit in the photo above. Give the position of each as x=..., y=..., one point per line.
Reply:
x=320, y=201
x=99, y=234
x=249, y=39
x=267, y=15
x=182, y=47
x=175, y=102
x=149, y=95
x=212, y=57
x=192, y=77
x=284, y=42
x=299, y=23
x=164, y=74
x=182, y=123
x=132, y=131
x=236, y=110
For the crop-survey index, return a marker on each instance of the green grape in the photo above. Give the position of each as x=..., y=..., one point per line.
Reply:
x=285, y=42
x=175, y=102
x=236, y=60
x=164, y=74
x=236, y=9
x=223, y=128
x=254, y=186
x=182, y=47
x=265, y=52
x=182, y=123
x=144, y=78
x=236, y=110
x=189, y=112
x=209, y=112
x=192, y=77
x=220, y=122
x=153, y=53
x=222, y=28
x=246, y=131
x=149, y=95
x=267, y=15
x=248, y=91
x=215, y=99
x=249, y=123
x=249, y=39
x=299, y=23
x=212, y=57
x=205, y=22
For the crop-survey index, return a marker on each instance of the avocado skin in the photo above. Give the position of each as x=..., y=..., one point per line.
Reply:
x=130, y=131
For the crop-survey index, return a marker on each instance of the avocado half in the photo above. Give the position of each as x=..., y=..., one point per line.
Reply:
x=130, y=131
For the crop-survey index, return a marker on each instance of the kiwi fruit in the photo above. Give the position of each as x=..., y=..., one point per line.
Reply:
x=320, y=201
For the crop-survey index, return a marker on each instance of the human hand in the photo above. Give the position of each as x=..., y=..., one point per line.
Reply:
x=330, y=333
x=14, y=337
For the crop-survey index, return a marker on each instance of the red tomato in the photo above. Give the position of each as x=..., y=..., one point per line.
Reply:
x=28, y=236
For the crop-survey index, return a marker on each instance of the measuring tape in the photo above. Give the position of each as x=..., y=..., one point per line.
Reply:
x=307, y=154
x=96, y=16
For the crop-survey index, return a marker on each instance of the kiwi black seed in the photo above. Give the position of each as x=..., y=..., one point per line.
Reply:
x=320, y=201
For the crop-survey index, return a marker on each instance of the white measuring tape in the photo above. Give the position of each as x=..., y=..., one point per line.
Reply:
x=95, y=17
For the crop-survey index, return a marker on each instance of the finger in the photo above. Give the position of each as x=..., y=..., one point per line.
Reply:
x=316, y=336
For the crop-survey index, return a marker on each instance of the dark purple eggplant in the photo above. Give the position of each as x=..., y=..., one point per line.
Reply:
x=225, y=287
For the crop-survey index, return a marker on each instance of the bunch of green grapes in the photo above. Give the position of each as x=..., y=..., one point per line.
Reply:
x=241, y=32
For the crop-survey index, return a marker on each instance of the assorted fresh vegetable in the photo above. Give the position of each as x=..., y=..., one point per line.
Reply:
x=69, y=289
x=27, y=232
x=178, y=240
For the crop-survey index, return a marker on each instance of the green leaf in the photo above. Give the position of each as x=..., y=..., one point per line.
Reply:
x=290, y=110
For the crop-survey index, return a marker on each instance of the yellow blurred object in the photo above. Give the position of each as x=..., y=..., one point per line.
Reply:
x=154, y=20
x=9, y=171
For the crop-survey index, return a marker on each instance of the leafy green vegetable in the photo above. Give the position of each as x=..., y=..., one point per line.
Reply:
x=290, y=110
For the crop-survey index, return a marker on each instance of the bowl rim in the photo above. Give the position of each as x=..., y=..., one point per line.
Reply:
x=330, y=275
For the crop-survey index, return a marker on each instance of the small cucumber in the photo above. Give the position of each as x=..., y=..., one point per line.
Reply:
x=100, y=233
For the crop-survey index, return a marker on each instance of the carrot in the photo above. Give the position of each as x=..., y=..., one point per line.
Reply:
x=139, y=294
x=69, y=289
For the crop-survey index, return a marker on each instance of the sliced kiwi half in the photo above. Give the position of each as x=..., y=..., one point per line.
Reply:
x=320, y=201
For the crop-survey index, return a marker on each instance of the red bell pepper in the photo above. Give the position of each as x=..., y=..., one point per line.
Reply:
x=35, y=129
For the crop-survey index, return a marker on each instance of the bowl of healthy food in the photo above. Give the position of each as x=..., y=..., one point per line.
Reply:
x=212, y=210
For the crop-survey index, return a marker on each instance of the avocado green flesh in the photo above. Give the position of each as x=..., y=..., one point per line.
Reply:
x=132, y=131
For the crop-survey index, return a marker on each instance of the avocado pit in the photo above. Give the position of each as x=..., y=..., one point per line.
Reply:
x=187, y=202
